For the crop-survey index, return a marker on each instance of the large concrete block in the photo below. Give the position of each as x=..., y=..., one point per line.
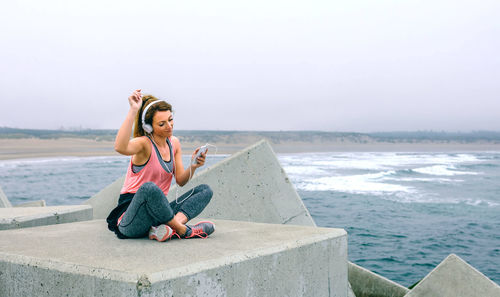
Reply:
x=4, y=202
x=455, y=278
x=365, y=283
x=22, y=217
x=239, y=259
x=250, y=185
x=107, y=199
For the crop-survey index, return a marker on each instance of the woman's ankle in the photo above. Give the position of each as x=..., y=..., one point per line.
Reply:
x=177, y=226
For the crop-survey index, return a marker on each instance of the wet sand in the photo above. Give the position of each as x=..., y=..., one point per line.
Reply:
x=42, y=148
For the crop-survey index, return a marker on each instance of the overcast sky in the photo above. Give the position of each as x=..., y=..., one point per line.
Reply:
x=256, y=65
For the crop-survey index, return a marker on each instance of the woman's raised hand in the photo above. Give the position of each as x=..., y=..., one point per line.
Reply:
x=135, y=100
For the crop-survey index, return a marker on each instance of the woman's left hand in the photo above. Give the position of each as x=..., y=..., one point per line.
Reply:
x=200, y=161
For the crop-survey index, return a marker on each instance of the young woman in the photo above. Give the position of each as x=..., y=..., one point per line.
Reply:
x=143, y=208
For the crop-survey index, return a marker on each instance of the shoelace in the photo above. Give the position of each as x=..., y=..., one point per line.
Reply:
x=198, y=232
x=174, y=233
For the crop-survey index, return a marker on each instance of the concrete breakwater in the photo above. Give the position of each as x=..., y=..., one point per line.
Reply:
x=278, y=251
x=241, y=259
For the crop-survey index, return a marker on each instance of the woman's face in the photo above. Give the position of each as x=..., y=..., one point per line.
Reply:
x=163, y=123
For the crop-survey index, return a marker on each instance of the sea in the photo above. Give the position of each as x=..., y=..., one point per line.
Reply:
x=404, y=212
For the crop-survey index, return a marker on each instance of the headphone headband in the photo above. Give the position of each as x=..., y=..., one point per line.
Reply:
x=148, y=128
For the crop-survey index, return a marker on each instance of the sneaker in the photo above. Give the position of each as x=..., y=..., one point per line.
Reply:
x=161, y=232
x=201, y=230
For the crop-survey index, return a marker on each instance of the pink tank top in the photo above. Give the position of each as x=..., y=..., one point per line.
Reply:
x=152, y=172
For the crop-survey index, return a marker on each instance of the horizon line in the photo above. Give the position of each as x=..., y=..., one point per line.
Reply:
x=223, y=130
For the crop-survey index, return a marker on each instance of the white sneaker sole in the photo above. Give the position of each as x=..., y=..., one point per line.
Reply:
x=160, y=233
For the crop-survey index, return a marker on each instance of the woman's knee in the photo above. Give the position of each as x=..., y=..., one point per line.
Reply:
x=149, y=186
x=150, y=191
x=206, y=190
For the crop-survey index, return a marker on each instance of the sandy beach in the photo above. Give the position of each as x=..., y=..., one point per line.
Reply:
x=42, y=148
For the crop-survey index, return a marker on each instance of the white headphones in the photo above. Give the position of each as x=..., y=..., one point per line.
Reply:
x=147, y=127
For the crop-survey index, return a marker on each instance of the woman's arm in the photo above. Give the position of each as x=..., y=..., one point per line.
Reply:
x=123, y=144
x=182, y=175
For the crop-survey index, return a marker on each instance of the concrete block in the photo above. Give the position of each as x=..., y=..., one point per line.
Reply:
x=455, y=278
x=250, y=185
x=350, y=292
x=39, y=203
x=365, y=283
x=107, y=199
x=22, y=217
x=239, y=259
x=4, y=202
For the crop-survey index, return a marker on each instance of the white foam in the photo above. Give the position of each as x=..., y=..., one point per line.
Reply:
x=373, y=161
x=359, y=184
x=422, y=197
x=303, y=170
x=442, y=170
x=423, y=179
x=35, y=161
x=351, y=164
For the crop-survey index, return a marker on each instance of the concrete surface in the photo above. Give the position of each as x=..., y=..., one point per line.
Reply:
x=4, y=202
x=106, y=199
x=239, y=259
x=365, y=283
x=250, y=186
x=350, y=293
x=22, y=217
x=38, y=203
x=455, y=278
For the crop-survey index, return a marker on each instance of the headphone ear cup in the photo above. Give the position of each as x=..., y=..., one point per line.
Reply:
x=147, y=128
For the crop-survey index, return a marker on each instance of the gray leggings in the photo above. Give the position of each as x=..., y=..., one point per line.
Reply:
x=150, y=207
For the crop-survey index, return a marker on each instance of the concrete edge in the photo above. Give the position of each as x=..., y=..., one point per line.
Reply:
x=378, y=278
x=242, y=152
x=350, y=292
x=154, y=277
x=4, y=201
x=27, y=218
x=64, y=267
x=222, y=162
x=300, y=201
x=240, y=257
x=457, y=258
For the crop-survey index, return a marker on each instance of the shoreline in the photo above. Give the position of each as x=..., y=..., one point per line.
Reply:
x=27, y=148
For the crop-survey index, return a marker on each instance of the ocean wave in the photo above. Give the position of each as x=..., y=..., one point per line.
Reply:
x=475, y=202
x=423, y=179
x=304, y=170
x=417, y=197
x=442, y=170
x=374, y=161
x=40, y=161
x=357, y=184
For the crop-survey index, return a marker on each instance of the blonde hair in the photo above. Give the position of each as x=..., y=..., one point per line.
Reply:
x=148, y=119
